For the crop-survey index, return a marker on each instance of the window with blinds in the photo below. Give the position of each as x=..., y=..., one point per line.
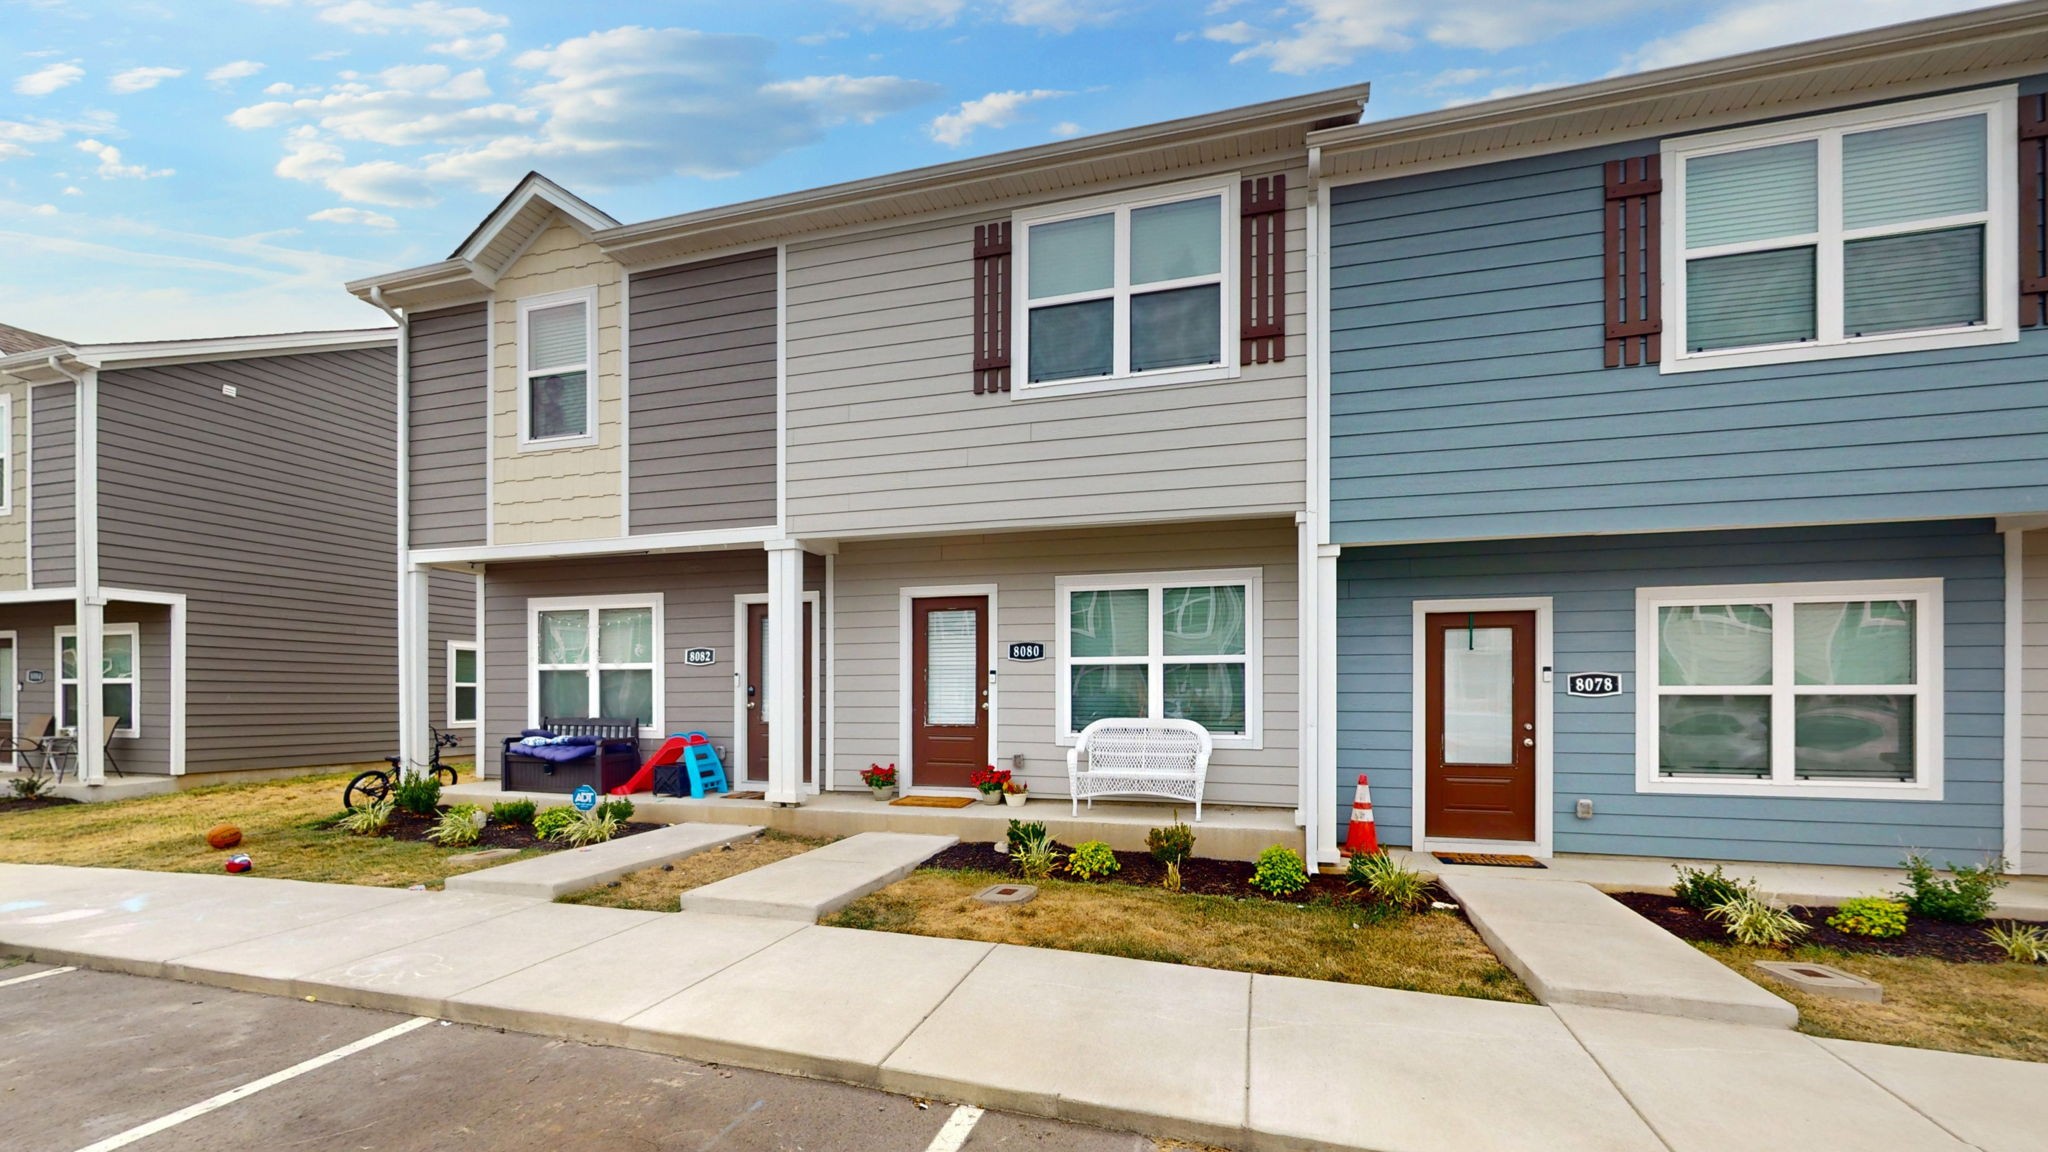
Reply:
x=1876, y=230
x=556, y=370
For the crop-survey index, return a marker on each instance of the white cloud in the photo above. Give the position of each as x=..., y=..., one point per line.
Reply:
x=74, y=190
x=1747, y=25
x=914, y=13
x=44, y=210
x=1235, y=32
x=17, y=135
x=1320, y=34
x=142, y=79
x=1051, y=15
x=995, y=110
x=48, y=79
x=426, y=18
x=1066, y=128
x=239, y=69
x=110, y=166
x=359, y=216
x=471, y=47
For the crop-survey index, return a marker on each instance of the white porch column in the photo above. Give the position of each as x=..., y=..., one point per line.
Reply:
x=415, y=740
x=784, y=672
x=1324, y=644
x=91, y=611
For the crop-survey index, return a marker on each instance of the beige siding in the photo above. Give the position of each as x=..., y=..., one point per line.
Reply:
x=868, y=631
x=887, y=435
x=2034, y=707
x=14, y=524
x=558, y=493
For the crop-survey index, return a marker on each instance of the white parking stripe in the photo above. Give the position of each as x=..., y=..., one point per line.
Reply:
x=958, y=1127
x=142, y=1131
x=36, y=976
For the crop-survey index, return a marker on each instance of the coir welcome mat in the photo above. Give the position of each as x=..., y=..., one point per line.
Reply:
x=1488, y=859
x=932, y=802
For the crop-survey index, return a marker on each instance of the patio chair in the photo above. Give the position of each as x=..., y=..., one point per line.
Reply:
x=30, y=743
x=58, y=747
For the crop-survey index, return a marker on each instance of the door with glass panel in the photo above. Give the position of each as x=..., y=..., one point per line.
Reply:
x=9, y=688
x=1480, y=726
x=948, y=690
x=757, y=692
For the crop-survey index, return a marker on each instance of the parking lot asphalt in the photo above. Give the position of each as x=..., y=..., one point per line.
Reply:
x=92, y=1060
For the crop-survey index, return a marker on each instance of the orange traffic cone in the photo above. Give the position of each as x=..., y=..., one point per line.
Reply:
x=1364, y=836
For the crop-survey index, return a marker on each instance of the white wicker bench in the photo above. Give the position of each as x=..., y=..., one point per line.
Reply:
x=1120, y=757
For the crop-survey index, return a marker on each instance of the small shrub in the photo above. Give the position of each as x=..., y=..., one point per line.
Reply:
x=368, y=820
x=1025, y=832
x=510, y=812
x=2023, y=943
x=1091, y=859
x=1751, y=919
x=1965, y=898
x=1702, y=889
x=593, y=827
x=458, y=827
x=417, y=794
x=30, y=784
x=1172, y=881
x=1873, y=916
x=1032, y=850
x=1280, y=872
x=618, y=808
x=1389, y=880
x=1171, y=844
x=549, y=823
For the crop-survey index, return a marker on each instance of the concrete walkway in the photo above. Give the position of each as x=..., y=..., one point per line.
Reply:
x=1247, y=1061
x=574, y=869
x=817, y=883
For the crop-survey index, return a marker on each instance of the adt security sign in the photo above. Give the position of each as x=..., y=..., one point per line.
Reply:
x=584, y=797
x=1593, y=684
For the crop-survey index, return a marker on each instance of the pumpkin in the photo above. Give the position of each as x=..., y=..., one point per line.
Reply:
x=223, y=836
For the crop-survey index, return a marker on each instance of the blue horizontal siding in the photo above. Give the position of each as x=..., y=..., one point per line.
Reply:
x=1470, y=398
x=1592, y=583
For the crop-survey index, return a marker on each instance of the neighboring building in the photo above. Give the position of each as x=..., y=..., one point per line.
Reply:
x=218, y=515
x=15, y=340
x=1726, y=381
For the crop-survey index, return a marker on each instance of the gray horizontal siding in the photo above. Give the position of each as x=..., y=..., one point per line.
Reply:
x=702, y=400
x=274, y=512
x=1593, y=584
x=1470, y=398
x=448, y=433
x=35, y=636
x=451, y=617
x=53, y=482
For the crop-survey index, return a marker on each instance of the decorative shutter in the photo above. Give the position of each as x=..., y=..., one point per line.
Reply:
x=2033, y=211
x=992, y=308
x=1262, y=269
x=1634, y=309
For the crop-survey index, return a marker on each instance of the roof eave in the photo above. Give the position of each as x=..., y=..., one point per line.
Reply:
x=37, y=367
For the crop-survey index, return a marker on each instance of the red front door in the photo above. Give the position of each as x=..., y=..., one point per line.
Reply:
x=948, y=690
x=757, y=692
x=1480, y=725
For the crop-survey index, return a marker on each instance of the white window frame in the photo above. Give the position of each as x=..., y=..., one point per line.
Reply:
x=2001, y=319
x=1929, y=654
x=1120, y=291
x=1253, y=580
x=6, y=453
x=527, y=441
x=133, y=679
x=592, y=605
x=469, y=646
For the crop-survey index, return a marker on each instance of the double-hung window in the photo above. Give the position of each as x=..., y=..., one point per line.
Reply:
x=599, y=657
x=1879, y=230
x=120, y=689
x=558, y=369
x=1161, y=645
x=1128, y=291
x=1805, y=689
x=462, y=684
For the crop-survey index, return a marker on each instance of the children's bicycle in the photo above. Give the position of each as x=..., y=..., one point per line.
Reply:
x=374, y=785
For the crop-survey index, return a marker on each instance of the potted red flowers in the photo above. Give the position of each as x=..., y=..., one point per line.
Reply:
x=880, y=781
x=989, y=782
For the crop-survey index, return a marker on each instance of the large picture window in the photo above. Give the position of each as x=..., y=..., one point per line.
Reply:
x=1127, y=291
x=557, y=369
x=1790, y=688
x=1177, y=645
x=120, y=686
x=597, y=656
x=1883, y=229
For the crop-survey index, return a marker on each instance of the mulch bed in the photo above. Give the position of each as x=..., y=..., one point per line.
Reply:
x=1939, y=939
x=406, y=826
x=1200, y=876
x=16, y=805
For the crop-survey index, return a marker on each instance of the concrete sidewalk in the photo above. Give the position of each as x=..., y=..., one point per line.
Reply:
x=1247, y=1061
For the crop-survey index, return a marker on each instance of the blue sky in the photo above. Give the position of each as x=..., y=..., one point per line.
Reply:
x=185, y=168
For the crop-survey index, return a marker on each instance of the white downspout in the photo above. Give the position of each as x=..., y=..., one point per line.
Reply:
x=89, y=612
x=412, y=659
x=1309, y=534
x=2013, y=795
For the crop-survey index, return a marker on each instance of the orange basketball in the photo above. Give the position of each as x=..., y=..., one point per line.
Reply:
x=224, y=836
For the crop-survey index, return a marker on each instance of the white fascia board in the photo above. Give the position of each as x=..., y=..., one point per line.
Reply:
x=608, y=546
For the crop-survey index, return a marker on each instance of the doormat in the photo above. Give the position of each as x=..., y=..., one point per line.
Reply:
x=1488, y=859
x=933, y=802
x=746, y=795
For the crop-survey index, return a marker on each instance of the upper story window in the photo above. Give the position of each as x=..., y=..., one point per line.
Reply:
x=1879, y=230
x=1127, y=291
x=558, y=369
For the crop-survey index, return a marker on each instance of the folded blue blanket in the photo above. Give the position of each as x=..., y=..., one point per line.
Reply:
x=558, y=753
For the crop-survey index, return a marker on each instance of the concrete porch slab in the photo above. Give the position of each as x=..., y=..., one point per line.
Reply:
x=1708, y=1086
x=828, y=1002
x=1994, y=1105
x=1341, y=1066
x=1572, y=944
x=820, y=881
x=1159, y=1048
x=574, y=869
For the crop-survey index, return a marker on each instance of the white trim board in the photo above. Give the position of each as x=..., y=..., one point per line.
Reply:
x=814, y=694
x=905, y=767
x=1419, y=726
x=2013, y=794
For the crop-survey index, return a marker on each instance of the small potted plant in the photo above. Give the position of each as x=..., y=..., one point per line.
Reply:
x=880, y=781
x=989, y=782
x=1013, y=792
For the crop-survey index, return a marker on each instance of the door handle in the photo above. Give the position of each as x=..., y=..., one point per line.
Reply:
x=1528, y=741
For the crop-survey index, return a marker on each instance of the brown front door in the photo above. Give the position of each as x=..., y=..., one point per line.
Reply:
x=948, y=690
x=1480, y=725
x=757, y=692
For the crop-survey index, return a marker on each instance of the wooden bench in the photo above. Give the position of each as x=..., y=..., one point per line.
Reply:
x=1125, y=757
x=616, y=760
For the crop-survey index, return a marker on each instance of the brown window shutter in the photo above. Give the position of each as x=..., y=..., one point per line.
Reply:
x=1635, y=316
x=992, y=308
x=1262, y=269
x=2033, y=211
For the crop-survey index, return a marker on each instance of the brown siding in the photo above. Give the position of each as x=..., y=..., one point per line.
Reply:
x=448, y=436
x=274, y=512
x=702, y=399
x=53, y=466
x=451, y=616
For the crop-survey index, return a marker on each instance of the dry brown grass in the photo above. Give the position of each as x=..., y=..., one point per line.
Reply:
x=1430, y=953
x=277, y=818
x=657, y=890
x=1983, y=1009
